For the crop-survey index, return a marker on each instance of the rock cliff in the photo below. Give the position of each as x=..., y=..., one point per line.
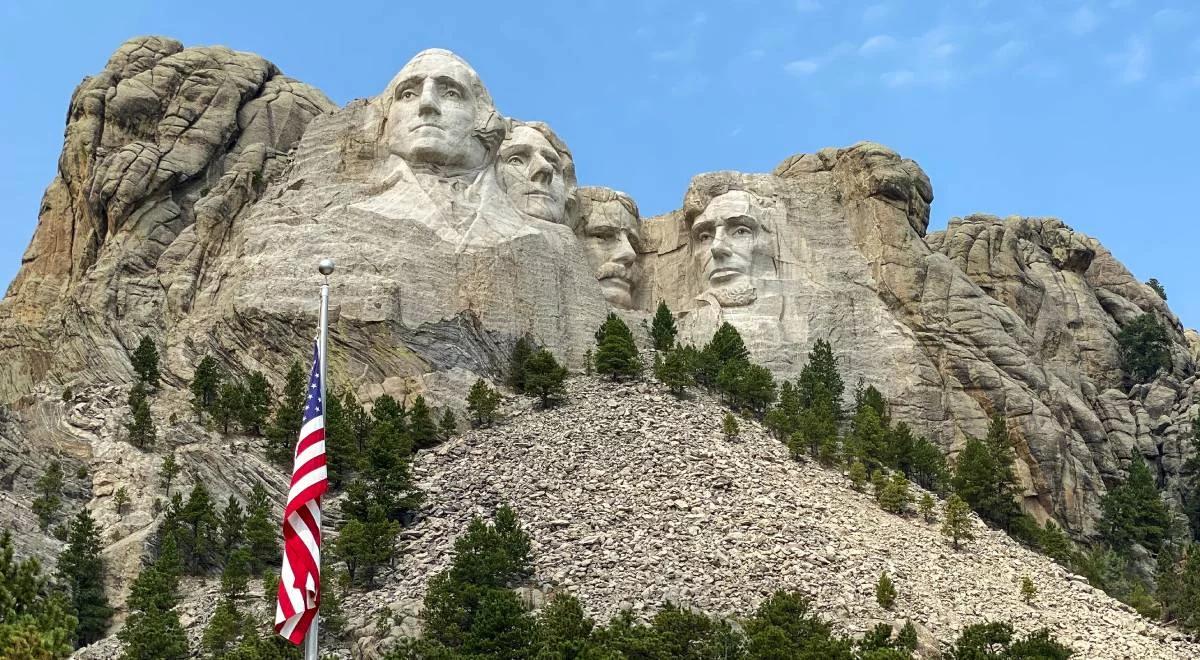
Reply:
x=198, y=186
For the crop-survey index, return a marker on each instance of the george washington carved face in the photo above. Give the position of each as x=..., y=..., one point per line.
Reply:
x=439, y=113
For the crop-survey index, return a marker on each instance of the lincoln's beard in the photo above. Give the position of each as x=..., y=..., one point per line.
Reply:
x=735, y=295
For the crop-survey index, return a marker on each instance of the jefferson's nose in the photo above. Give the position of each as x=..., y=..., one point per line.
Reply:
x=541, y=170
x=624, y=253
x=429, y=100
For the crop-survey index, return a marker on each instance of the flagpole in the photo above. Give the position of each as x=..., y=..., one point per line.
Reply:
x=325, y=268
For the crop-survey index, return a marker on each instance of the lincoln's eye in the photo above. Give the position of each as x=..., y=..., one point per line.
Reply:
x=742, y=231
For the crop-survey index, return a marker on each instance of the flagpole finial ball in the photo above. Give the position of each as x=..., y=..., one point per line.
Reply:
x=326, y=266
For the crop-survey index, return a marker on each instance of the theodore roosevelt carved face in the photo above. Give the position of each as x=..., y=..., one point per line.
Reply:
x=608, y=231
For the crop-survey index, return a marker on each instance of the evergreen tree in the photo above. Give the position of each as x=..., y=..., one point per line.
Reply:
x=285, y=427
x=562, y=630
x=616, y=352
x=198, y=532
x=866, y=441
x=925, y=508
x=261, y=531
x=858, y=475
x=957, y=520
x=1144, y=348
x=229, y=405
x=983, y=476
x=167, y=473
x=388, y=475
x=987, y=641
x=140, y=427
x=925, y=464
x=1028, y=590
x=49, y=490
x=820, y=383
x=385, y=409
x=1055, y=544
x=365, y=544
x=662, y=329
x=121, y=499
x=725, y=346
x=145, y=363
x=35, y=620
x=885, y=591
x=521, y=352
x=448, y=426
x=1134, y=513
x=896, y=496
x=816, y=431
x=729, y=426
x=235, y=574
x=421, y=427
x=233, y=526
x=676, y=368
x=81, y=570
x=784, y=417
x=544, y=377
x=746, y=386
x=222, y=630
x=256, y=403
x=1158, y=288
x=206, y=386
x=482, y=402
x=153, y=631
x=869, y=397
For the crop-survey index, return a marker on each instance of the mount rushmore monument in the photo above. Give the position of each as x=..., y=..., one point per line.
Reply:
x=198, y=186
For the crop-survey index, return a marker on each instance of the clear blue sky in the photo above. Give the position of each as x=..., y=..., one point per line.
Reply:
x=1087, y=111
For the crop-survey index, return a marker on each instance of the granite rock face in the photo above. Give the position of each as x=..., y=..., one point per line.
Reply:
x=198, y=186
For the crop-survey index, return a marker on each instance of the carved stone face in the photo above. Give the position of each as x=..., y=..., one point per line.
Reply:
x=609, y=235
x=531, y=170
x=729, y=246
x=433, y=113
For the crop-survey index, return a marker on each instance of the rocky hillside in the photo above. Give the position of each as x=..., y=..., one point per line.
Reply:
x=634, y=498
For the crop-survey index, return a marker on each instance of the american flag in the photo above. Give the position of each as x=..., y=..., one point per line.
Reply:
x=300, y=578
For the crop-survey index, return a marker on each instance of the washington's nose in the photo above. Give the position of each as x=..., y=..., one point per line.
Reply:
x=624, y=253
x=542, y=171
x=429, y=101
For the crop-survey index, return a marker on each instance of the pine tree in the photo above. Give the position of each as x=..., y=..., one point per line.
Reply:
x=421, y=427
x=1144, y=348
x=81, y=569
x=957, y=520
x=261, y=531
x=167, y=473
x=140, y=427
x=516, y=364
x=153, y=631
x=925, y=508
x=746, y=386
x=1134, y=512
x=676, y=368
x=729, y=426
x=35, y=620
x=198, y=531
x=366, y=544
x=206, y=386
x=121, y=499
x=867, y=438
x=885, y=591
x=1028, y=590
x=616, y=352
x=285, y=427
x=725, y=346
x=229, y=405
x=1055, y=544
x=896, y=496
x=145, y=363
x=820, y=383
x=448, y=425
x=1153, y=283
x=49, y=490
x=256, y=403
x=662, y=329
x=983, y=476
x=236, y=574
x=233, y=526
x=544, y=377
x=482, y=402
x=858, y=475
x=222, y=629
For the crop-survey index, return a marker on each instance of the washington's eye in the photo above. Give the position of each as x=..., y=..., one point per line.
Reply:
x=452, y=94
x=408, y=95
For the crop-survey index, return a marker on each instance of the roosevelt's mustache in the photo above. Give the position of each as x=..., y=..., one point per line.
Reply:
x=612, y=269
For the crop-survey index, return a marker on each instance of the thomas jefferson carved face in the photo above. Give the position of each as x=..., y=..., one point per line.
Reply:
x=436, y=103
x=534, y=173
x=609, y=235
x=729, y=244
